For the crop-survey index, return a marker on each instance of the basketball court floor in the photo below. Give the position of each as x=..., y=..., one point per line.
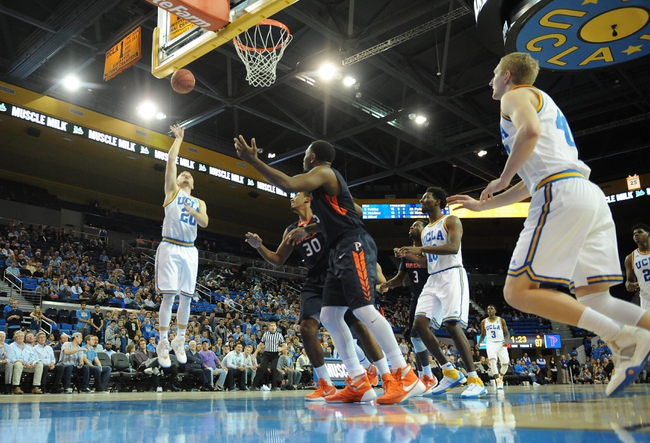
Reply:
x=545, y=414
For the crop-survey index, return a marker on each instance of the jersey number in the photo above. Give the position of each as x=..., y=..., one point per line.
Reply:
x=646, y=274
x=494, y=334
x=416, y=277
x=186, y=217
x=312, y=247
x=563, y=126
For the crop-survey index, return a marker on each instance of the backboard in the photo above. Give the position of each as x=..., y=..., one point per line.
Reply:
x=177, y=42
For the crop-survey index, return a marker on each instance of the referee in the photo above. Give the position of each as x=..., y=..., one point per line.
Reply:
x=271, y=339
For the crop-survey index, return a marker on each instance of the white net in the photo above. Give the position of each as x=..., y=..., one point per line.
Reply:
x=261, y=48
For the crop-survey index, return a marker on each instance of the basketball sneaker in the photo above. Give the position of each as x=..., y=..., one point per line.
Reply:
x=630, y=351
x=429, y=383
x=475, y=388
x=451, y=379
x=162, y=350
x=178, y=345
x=373, y=375
x=499, y=382
x=356, y=390
x=321, y=392
x=386, y=380
x=405, y=384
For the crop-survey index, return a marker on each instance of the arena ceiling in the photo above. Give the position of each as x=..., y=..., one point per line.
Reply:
x=442, y=74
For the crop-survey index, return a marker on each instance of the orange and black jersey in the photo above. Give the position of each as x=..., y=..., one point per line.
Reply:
x=417, y=273
x=338, y=215
x=313, y=248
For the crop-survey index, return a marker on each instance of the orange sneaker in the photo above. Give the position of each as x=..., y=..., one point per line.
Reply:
x=429, y=383
x=406, y=384
x=373, y=375
x=356, y=390
x=386, y=380
x=323, y=390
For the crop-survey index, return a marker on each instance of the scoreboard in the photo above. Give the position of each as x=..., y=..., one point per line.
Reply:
x=530, y=341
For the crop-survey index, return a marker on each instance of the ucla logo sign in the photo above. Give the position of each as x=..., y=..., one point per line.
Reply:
x=573, y=35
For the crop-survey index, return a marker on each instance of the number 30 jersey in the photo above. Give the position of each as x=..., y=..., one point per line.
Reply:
x=179, y=226
x=555, y=150
x=313, y=249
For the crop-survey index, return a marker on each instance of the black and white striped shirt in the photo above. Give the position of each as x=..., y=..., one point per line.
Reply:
x=272, y=341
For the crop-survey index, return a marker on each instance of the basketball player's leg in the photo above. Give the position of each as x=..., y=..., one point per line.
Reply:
x=167, y=285
x=369, y=353
x=631, y=345
x=311, y=301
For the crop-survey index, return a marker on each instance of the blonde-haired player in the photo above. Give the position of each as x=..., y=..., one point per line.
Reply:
x=569, y=236
x=177, y=259
x=496, y=330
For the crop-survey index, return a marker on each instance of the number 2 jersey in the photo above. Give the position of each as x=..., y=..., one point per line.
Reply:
x=312, y=248
x=179, y=226
x=555, y=150
x=641, y=265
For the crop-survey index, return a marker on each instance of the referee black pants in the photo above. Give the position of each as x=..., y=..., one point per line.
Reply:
x=268, y=359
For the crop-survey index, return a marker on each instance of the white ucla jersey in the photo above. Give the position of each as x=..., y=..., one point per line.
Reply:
x=494, y=331
x=641, y=263
x=179, y=226
x=555, y=150
x=435, y=234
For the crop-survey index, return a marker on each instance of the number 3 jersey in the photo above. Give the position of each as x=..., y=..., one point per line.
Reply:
x=179, y=226
x=555, y=150
x=312, y=249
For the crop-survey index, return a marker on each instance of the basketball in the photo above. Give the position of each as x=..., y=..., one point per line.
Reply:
x=183, y=81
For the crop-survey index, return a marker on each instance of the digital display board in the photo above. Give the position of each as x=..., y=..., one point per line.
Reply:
x=529, y=341
x=134, y=147
x=389, y=211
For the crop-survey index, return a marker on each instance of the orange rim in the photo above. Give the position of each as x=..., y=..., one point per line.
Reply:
x=268, y=22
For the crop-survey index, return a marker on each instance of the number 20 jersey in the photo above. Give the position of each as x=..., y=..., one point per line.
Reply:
x=179, y=227
x=555, y=150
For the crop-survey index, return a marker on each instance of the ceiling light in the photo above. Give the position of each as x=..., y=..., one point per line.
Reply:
x=482, y=153
x=327, y=71
x=161, y=116
x=271, y=155
x=420, y=119
x=147, y=110
x=349, y=81
x=71, y=83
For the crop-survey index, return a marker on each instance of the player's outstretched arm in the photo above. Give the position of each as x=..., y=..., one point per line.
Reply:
x=315, y=178
x=172, y=155
x=277, y=258
x=515, y=194
x=506, y=332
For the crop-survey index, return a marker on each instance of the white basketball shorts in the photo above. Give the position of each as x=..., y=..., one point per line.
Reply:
x=445, y=297
x=176, y=269
x=569, y=237
x=497, y=351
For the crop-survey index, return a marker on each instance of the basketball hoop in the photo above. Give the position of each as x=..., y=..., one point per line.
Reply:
x=261, y=48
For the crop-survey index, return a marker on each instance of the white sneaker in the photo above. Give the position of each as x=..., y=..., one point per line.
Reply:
x=630, y=350
x=499, y=384
x=163, y=354
x=178, y=345
x=148, y=371
x=265, y=388
x=475, y=388
x=159, y=389
x=536, y=384
x=451, y=379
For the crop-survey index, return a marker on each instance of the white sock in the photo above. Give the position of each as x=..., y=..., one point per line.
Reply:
x=426, y=370
x=472, y=374
x=382, y=366
x=493, y=366
x=362, y=356
x=448, y=366
x=419, y=348
x=165, y=314
x=322, y=374
x=383, y=333
x=504, y=370
x=598, y=323
x=618, y=310
x=183, y=313
x=332, y=319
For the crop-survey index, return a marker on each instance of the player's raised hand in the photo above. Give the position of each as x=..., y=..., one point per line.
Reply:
x=464, y=202
x=178, y=130
x=253, y=239
x=244, y=151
